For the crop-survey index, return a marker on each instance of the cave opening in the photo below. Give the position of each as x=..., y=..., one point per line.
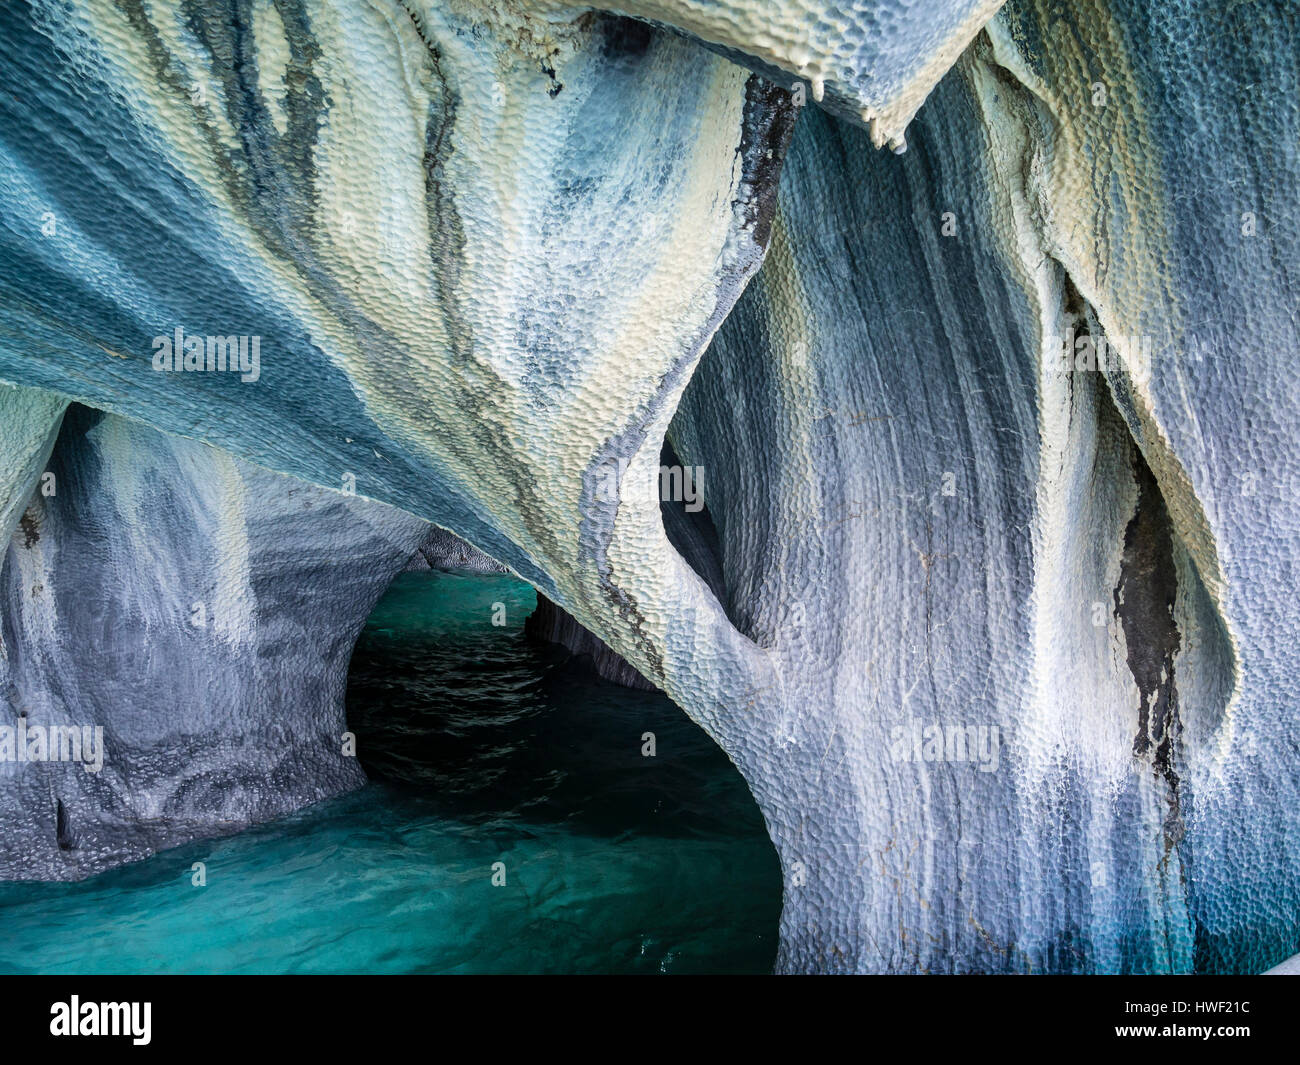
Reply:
x=591, y=826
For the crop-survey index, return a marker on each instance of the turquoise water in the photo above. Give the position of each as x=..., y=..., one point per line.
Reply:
x=481, y=748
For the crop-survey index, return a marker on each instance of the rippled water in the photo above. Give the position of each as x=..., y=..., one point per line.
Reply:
x=482, y=749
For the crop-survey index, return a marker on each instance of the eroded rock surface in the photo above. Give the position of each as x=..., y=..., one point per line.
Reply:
x=190, y=618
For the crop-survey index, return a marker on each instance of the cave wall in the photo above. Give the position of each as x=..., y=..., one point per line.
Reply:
x=930, y=554
x=29, y=424
x=445, y=550
x=871, y=63
x=201, y=612
x=932, y=525
x=1178, y=233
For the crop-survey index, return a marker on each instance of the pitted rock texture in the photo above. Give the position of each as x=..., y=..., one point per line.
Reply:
x=200, y=612
x=29, y=424
x=870, y=62
x=691, y=532
x=447, y=551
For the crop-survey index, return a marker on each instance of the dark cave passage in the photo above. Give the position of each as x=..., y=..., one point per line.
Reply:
x=462, y=716
x=459, y=713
